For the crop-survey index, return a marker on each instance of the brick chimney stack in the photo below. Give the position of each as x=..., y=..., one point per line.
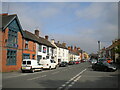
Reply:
x=69, y=48
x=46, y=37
x=75, y=48
x=37, y=33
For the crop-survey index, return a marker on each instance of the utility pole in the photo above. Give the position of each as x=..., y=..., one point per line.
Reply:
x=99, y=48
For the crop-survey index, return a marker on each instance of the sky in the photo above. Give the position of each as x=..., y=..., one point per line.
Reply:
x=80, y=24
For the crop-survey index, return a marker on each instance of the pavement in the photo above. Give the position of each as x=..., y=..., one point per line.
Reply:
x=63, y=78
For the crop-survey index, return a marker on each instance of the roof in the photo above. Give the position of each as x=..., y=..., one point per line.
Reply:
x=7, y=19
x=30, y=36
x=114, y=44
x=60, y=46
x=72, y=52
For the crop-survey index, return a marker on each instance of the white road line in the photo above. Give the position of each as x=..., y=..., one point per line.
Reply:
x=37, y=77
x=72, y=80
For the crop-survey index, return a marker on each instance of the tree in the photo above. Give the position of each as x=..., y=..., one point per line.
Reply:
x=117, y=50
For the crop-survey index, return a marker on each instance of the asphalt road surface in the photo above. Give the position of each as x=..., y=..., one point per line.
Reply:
x=62, y=78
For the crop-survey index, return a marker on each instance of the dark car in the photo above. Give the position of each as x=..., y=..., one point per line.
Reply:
x=63, y=64
x=104, y=66
x=71, y=62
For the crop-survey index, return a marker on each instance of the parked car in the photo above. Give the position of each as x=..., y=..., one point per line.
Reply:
x=71, y=62
x=83, y=60
x=105, y=59
x=109, y=60
x=30, y=65
x=77, y=62
x=63, y=64
x=104, y=66
x=93, y=61
x=48, y=64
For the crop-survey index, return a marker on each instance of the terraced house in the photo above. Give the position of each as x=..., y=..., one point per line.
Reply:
x=61, y=51
x=11, y=43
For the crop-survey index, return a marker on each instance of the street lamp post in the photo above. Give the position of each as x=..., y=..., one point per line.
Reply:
x=98, y=48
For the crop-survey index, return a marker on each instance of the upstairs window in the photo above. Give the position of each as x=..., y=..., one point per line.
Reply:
x=47, y=50
x=26, y=44
x=44, y=49
x=13, y=34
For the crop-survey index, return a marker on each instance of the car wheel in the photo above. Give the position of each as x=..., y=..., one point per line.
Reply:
x=32, y=70
x=23, y=71
x=50, y=68
x=105, y=69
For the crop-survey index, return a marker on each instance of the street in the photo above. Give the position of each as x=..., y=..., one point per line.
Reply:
x=62, y=78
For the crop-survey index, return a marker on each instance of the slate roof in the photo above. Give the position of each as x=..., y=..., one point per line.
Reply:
x=60, y=46
x=30, y=36
x=72, y=52
x=7, y=19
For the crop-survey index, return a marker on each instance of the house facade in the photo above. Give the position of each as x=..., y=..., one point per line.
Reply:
x=61, y=52
x=44, y=48
x=11, y=43
x=29, y=46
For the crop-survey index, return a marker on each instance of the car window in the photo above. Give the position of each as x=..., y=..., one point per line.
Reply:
x=28, y=62
x=24, y=62
x=51, y=61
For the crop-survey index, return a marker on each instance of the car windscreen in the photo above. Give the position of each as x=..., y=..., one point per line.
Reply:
x=24, y=62
x=28, y=62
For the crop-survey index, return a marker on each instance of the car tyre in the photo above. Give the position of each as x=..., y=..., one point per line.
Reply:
x=32, y=70
x=23, y=71
x=50, y=68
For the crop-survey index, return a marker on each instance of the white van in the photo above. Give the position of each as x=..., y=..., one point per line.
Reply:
x=30, y=65
x=48, y=64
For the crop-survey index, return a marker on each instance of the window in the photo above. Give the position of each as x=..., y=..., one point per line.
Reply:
x=11, y=57
x=26, y=56
x=47, y=57
x=26, y=44
x=13, y=34
x=44, y=49
x=39, y=48
x=33, y=56
x=28, y=62
x=47, y=50
x=24, y=62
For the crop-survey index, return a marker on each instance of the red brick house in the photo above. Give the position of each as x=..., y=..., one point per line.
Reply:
x=10, y=43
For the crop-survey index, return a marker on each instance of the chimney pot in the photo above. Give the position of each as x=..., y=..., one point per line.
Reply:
x=46, y=37
x=37, y=32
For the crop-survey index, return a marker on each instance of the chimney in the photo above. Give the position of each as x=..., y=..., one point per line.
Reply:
x=58, y=42
x=37, y=33
x=78, y=48
x=64, y=44
x=4, y=14
x=75, y=48
x=46, y=37
x=52, y=41
x=69, y=48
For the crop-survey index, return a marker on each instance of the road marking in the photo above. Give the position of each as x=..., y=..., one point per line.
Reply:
x=37, y=77
x=71, y=81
